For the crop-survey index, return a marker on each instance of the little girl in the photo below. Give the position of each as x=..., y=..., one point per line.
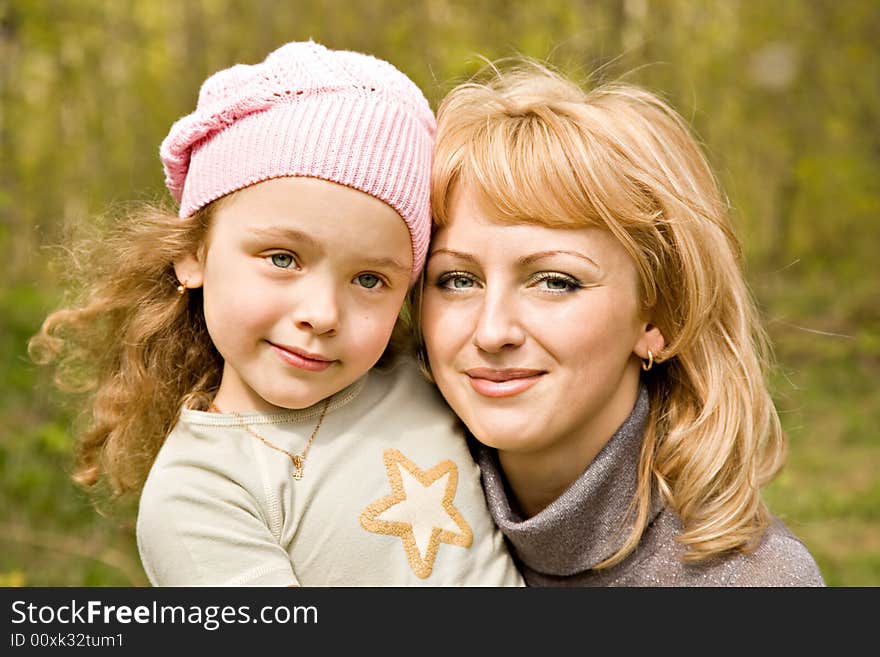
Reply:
x=240, y=356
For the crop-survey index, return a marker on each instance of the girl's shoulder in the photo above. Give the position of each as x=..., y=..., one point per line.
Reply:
x=201, y=449
x=402, y=379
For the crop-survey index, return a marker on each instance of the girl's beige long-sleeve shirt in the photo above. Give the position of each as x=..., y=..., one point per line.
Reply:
x=390, y=496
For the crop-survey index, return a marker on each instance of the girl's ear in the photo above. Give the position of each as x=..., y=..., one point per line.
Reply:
x=189, y=270
x=651, y=338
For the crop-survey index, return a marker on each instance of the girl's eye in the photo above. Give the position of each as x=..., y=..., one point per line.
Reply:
x=555, y=282
x=368, y=281
x=283, y=260
x=456, y=281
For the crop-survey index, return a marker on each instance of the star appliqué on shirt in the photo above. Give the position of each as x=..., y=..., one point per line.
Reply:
x=420, y=510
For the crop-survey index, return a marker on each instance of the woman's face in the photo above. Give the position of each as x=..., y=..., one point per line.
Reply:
x=534, y=335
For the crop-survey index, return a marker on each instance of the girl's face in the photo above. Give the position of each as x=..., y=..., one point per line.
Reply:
x=534, y=335
x=303, y=282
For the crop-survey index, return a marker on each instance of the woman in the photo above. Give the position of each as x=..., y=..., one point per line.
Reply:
x=584, y=313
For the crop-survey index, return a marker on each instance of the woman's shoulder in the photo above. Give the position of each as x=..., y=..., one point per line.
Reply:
x=781, y=559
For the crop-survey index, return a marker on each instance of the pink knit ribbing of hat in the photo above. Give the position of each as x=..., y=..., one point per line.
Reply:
x=306, y=110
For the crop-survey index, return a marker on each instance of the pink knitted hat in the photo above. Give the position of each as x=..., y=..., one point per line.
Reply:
x=338, y=115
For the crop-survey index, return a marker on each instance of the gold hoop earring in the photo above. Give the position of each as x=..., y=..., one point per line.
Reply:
x=650, y=362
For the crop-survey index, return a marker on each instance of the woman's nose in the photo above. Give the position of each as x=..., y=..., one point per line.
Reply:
x=497, y=325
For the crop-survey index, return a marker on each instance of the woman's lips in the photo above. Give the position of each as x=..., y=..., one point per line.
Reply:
x=304, y=360
x=502, y=383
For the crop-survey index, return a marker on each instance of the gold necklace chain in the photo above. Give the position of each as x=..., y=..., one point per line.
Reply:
x=299, y=460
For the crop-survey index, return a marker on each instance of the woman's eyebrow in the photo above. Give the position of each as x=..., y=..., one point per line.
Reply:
x=455, y=254
x=532, y=257
x=523, y=261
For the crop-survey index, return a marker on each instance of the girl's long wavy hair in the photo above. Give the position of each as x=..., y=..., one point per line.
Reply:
x=129, y=342
x=543, y=150
x=133, y=346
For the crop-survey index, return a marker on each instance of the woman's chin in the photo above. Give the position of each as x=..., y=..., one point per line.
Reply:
x=506, y=436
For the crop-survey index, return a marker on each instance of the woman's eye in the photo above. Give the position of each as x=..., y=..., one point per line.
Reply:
x=455, y=281
x=558, y=282
x=368, y=281
x=283, y=260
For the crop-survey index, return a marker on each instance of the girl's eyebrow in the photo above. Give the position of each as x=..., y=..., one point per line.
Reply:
x=294, y=235
x=277, y=232
x=387, y=263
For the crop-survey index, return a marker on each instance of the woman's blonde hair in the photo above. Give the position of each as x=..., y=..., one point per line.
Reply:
x=133, y=346
x=541, y=149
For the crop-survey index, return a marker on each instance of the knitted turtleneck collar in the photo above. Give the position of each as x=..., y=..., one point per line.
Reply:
x=590, y=520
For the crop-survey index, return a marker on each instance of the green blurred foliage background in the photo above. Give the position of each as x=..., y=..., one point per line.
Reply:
x=784, y=95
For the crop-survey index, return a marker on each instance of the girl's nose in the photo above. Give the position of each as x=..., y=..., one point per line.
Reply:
x=319, y=312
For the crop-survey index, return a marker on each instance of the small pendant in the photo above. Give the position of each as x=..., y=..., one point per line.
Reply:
x=297, y=466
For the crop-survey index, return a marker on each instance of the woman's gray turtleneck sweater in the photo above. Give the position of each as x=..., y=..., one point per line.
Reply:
x=588, y=523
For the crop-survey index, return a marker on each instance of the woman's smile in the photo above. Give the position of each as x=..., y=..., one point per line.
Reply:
x=502, y=382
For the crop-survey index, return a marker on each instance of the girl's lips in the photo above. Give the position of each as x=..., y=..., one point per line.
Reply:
x=310, y=362
x=502, y=383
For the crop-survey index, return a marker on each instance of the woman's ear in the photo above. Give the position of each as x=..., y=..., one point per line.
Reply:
x=650, y=338
x=189, y=270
